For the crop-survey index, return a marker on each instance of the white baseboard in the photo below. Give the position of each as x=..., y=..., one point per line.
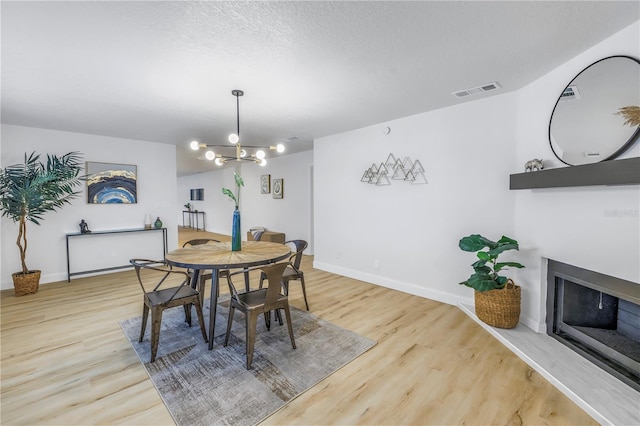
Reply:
x=404, y=287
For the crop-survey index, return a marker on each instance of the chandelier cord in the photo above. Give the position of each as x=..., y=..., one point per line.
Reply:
x=238, y=114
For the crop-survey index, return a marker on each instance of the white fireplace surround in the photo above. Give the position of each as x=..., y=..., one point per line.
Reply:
x=605, y=398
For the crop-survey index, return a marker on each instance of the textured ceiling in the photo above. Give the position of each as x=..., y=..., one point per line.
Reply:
x=164, y=71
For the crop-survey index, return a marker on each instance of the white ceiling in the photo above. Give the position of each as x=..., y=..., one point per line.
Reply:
x=164, y=71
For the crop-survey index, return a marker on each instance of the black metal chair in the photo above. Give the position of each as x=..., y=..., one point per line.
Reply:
x=293, y=272
x=203, y=277
x=256, y=302
x=154, y=274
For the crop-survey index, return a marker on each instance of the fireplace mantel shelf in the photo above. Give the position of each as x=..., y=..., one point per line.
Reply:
x=617, y=172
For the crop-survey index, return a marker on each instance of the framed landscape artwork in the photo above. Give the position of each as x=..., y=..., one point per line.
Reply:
x=278, y=188
x=110, y=183
x=265, y=184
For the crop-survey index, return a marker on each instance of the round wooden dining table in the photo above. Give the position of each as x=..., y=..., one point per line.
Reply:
x=219, y=256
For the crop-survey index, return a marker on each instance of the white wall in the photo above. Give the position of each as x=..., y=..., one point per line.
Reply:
x=596, y=228
x=290, y=214
x=46, y=251
x=406, y=236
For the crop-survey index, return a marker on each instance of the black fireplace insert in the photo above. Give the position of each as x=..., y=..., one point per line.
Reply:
x=597, y=316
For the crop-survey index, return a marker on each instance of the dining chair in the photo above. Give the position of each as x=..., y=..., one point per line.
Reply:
x=203, y=277
x=256, y=302
x=293, y=272
x=153, y=274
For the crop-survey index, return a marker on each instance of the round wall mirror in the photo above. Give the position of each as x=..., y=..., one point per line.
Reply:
x=586, y=125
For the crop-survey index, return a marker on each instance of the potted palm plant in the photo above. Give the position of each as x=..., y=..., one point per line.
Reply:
x=497, y=298
x=29, y=190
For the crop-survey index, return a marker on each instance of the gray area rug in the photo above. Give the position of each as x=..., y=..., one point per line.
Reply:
x=202, y=387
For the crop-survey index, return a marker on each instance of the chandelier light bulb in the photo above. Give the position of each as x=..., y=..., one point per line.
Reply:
x=280, y=148
x=195, y=145
x=263, y=162
x=210, y=155
x=260, y=154
x=219, y=161
x=233, y=138
x=243, y=153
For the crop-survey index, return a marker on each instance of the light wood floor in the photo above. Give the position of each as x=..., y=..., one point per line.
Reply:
x=65, y=361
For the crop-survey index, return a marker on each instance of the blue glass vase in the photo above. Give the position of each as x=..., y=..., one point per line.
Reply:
x=236, y=241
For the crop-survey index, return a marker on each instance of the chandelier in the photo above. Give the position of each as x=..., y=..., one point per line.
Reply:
x=234, y=138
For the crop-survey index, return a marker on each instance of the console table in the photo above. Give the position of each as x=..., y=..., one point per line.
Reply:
x=110, y=232
x=190, y=214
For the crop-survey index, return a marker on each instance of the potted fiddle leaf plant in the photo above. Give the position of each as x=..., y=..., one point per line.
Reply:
x=497, y=298
x=29, y=190
x=236, y=241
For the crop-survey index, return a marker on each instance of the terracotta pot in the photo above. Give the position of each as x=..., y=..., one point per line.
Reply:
x=26, y=284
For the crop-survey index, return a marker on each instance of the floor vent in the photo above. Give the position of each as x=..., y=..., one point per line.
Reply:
x=475, y=90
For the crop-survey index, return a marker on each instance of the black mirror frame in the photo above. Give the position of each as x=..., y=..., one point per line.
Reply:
x=625, y=146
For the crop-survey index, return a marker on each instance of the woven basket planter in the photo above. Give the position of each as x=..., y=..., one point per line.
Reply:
x=26, y=284
x=499, y=308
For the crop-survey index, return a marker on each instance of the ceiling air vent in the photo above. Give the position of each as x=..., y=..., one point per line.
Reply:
x=475, y=90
